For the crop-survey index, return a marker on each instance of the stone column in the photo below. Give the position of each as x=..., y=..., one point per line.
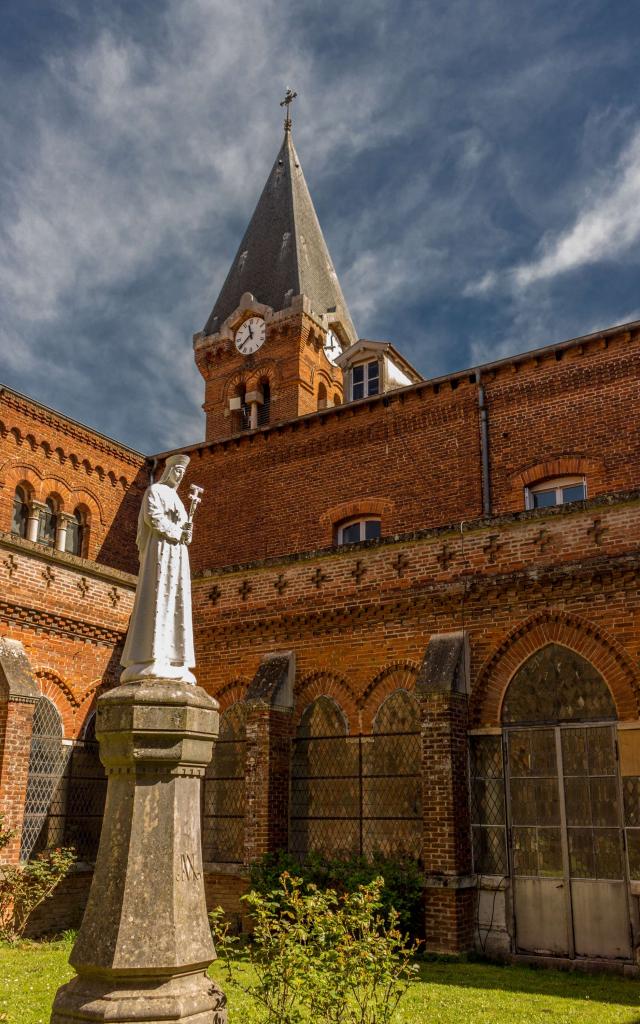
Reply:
x=144, y=946
x=442, y=689
x=269, y=704
x=61, y=531
x=33, y=522
x=19, y=695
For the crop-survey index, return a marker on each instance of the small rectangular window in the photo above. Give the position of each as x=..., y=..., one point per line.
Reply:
x=373, y=378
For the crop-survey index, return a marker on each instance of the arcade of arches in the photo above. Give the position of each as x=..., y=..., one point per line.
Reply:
x=544, y=843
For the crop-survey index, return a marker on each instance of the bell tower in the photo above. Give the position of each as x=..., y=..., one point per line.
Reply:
x=268, y=350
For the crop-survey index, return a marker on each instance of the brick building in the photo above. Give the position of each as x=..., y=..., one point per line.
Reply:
x=415, y=600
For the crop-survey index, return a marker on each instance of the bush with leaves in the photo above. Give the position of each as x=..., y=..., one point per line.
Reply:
x=325, y=957
x=403, y=881
x=23, y=887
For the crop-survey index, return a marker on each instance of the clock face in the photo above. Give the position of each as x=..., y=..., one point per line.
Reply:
x=332, y=347
x=250, y=335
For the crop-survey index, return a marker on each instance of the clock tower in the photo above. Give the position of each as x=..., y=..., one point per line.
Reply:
x=269, y=349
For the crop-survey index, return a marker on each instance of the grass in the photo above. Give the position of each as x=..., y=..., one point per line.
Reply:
x=447, y=993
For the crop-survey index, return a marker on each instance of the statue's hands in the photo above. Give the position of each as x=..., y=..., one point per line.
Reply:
x=187, y=533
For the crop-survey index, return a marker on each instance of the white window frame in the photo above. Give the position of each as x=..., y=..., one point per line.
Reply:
x=365, y=364
x=554, y=483
x=361, y=520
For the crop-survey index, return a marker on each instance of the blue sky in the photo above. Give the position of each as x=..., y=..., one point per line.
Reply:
x=475, y=165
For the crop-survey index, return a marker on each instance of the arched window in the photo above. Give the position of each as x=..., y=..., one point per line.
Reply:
x=322, y=396
x=20, y=513
x=336, y=399
x=45, y=801
x=354, y=531
x=264, y=410
x=558, y=491
x=48, y=523
x=76, y=533
x=557, y=685
x=223, y=792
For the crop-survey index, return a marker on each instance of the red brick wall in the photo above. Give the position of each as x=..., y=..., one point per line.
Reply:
x=50, y=455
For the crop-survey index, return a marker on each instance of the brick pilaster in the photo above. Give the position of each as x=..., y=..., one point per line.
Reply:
x=269, y=703
x=18, y=697
x=449, y=884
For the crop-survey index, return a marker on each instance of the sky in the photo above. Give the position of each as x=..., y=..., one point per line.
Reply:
x=475, y=165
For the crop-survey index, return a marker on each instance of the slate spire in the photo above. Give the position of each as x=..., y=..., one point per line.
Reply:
x=283, y=252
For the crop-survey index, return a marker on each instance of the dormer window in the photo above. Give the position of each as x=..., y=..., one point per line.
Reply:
x=556, y=492
x=365, y=380
x=357, y=530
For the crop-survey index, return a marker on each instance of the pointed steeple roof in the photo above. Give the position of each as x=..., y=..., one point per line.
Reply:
x=283, y=252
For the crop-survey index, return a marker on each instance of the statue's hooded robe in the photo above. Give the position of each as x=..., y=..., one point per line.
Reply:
x=160, y=638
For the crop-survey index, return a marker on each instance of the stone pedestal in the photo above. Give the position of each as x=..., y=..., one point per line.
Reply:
x=144, y=945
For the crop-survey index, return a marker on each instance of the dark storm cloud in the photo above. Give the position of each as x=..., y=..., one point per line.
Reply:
x=474, y=167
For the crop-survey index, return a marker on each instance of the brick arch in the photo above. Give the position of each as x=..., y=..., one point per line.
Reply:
x=373, y=506
x=579, y=635
x=231, y=692
x=13, y=473
x=325, y=684
x=557, y=465
x=264, y=371
x=59, y=693
x=399, y=675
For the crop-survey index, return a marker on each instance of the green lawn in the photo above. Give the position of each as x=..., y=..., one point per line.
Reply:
x=448, y=993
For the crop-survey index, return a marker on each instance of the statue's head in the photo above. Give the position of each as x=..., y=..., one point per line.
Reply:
x=174, y=470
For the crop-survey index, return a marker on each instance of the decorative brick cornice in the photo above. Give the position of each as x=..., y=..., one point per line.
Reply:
x=50, y=622
x=74, y=563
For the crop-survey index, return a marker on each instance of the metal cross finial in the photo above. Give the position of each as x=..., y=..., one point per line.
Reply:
x=286, y=102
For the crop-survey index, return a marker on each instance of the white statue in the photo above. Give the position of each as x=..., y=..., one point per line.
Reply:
x=159, y=643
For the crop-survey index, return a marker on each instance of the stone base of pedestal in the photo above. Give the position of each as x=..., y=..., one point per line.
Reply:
x=144, y=945
x=191, y=999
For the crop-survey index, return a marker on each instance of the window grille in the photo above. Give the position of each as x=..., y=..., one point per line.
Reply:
x=357, y=795
x=86, y=795
x=223, y=791
x=20, y=513
x=488, y=805
x=46, y=784
x=557, y=685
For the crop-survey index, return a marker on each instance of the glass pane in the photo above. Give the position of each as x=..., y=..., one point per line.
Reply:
x=372, y=529
x=544, y=499
x=608, y=853
x=488, y=801
x=358, y=391
x=574, y=752
x=602, y=755
x=20, y=516
x=358, y=374
x=550, y=853
x=604, y=801
x=489, y=851
x=576, y=794
x=486, y=757
x=633, y=850
x=525, y=851
x=373, y=371
x=47, y=529
x=581, y=857
x=351, y=534
x=575, y=492
x=631, y=790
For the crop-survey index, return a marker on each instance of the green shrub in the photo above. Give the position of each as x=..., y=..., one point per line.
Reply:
x=320, y=956
x=23, y=887
x=402, y=891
